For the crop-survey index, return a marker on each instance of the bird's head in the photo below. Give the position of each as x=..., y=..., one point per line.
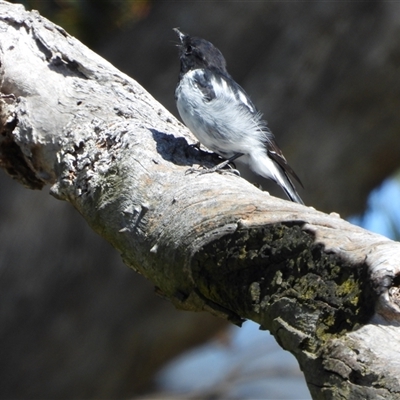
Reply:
x=198, y=53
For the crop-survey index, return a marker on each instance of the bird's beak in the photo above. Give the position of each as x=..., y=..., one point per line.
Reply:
x=180, y=34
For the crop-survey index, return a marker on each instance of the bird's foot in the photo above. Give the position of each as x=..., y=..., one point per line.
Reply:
x=220, y=168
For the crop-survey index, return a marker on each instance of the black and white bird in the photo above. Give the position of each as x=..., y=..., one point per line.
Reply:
x=222, y=116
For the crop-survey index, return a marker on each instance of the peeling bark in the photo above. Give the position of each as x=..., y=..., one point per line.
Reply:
x=326, y=289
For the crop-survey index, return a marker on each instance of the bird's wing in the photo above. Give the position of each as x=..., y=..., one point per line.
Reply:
x=207, y=83
x=213, y=83
x=240, y=95
x=272, y=148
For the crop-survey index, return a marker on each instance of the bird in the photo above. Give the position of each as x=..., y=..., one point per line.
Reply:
x=222, y=116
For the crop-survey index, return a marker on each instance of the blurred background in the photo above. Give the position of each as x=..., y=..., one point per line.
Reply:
x=75, y=323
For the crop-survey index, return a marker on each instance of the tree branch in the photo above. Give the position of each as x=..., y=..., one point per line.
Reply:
x=326, y=289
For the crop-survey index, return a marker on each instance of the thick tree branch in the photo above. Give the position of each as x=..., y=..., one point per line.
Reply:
x=326, y=289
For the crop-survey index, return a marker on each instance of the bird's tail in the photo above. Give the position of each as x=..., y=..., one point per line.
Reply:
x=288, y=187
x=263, y=165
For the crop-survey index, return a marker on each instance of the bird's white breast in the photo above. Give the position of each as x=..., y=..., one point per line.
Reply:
x=223, y=124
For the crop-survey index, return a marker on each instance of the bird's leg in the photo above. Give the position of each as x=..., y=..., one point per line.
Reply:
x=222, y=165
x=219, y=167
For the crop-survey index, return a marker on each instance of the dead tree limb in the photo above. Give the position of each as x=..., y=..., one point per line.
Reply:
x=326, y=289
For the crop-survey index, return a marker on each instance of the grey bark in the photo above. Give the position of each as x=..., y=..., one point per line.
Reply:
x=74, y=321
x=327, y=290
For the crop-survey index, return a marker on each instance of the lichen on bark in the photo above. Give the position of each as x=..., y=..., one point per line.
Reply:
x=258, y=269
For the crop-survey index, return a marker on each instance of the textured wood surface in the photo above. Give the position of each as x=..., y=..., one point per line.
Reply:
x=326, y=289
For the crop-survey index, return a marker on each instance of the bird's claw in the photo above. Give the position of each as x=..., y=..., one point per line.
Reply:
x=191, y=170
x=217, y=168
x=232, y=171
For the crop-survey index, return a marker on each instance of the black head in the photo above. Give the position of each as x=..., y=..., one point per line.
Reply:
x=198, y=53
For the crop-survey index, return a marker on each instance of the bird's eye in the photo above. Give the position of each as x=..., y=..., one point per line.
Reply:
x=188, y=50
